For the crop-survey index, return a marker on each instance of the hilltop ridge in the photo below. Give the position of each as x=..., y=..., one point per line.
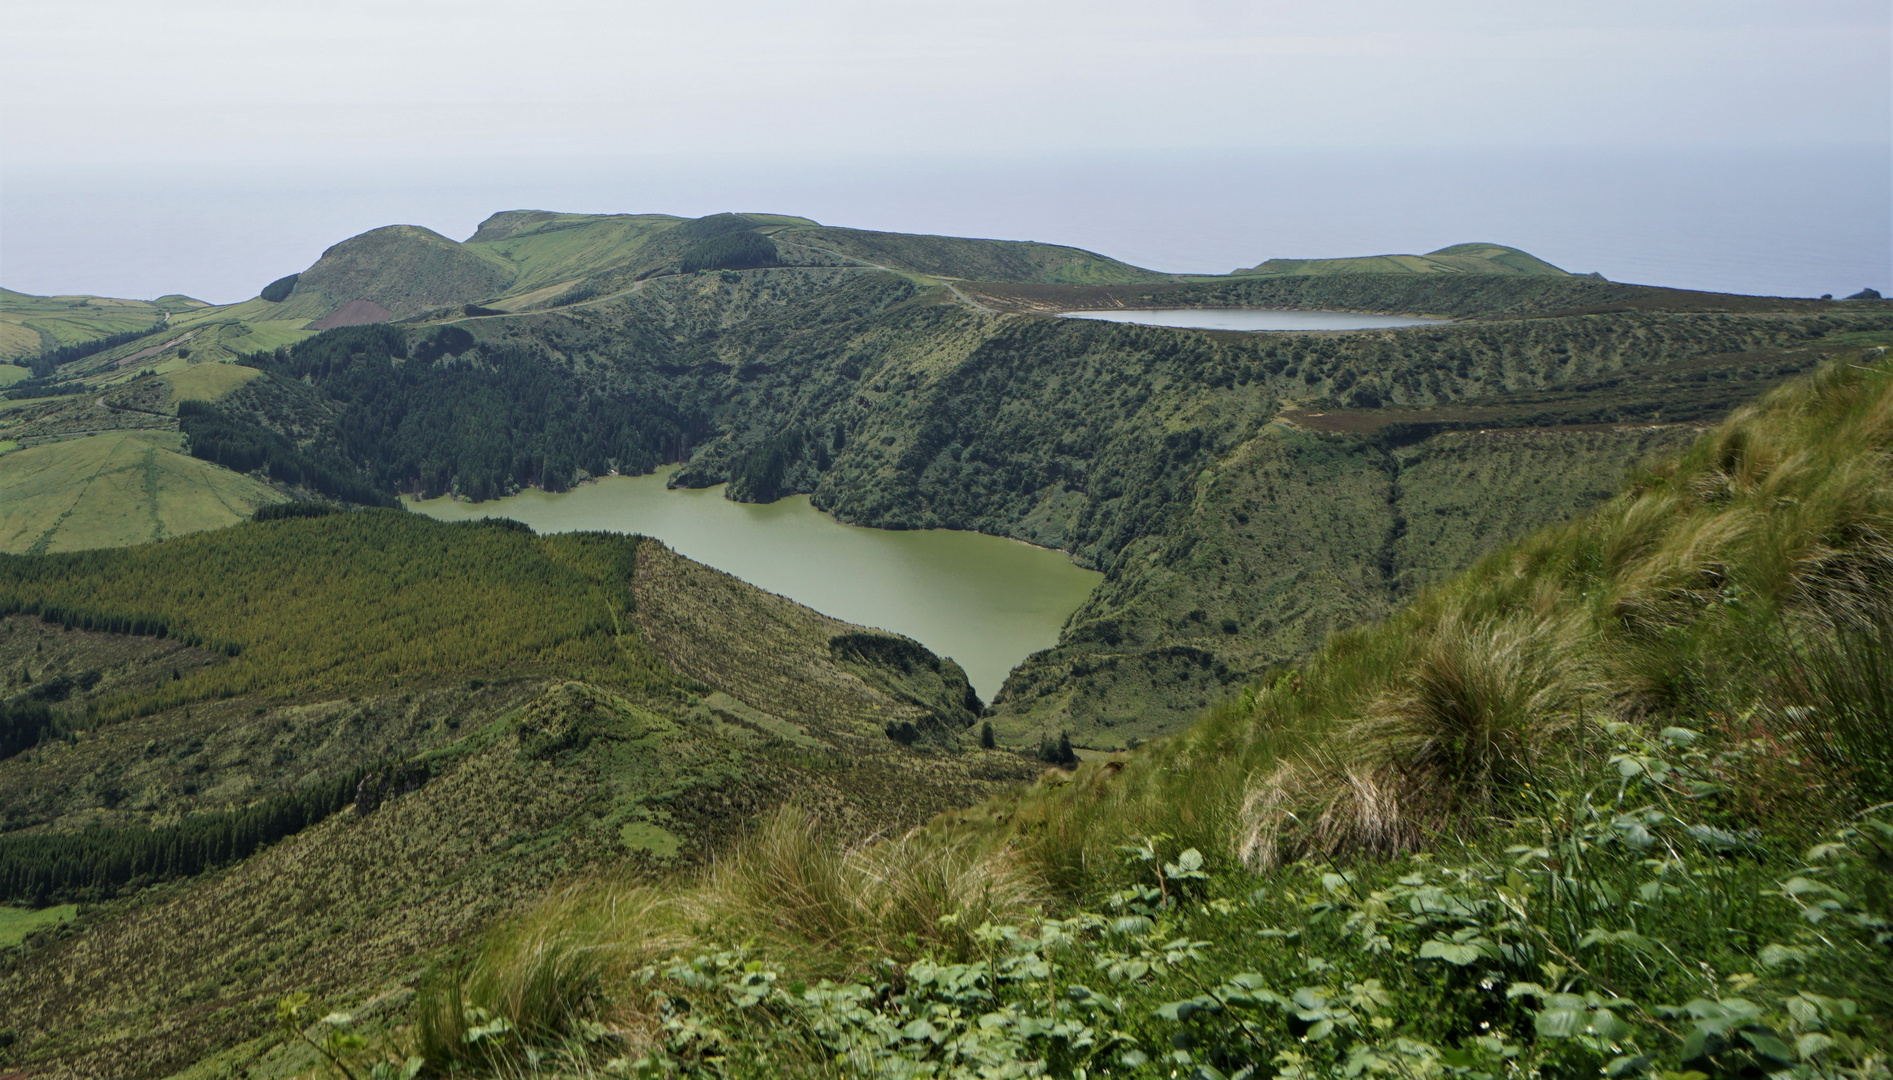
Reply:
x=1473, y=258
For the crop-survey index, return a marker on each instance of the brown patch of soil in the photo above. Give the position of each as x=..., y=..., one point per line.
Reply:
x=155, y=349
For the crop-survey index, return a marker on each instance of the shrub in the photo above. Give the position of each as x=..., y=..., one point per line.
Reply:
x=278, y=291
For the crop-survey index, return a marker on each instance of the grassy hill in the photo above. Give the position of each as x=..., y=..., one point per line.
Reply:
x=401, y=269
x=504, y=709
x=1457, y=259
x=976, y=260
x=109, y=467
x=67, y=326
x=1614, y=800
x=127, y=487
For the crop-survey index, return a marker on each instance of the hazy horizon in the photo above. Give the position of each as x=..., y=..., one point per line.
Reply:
x=1734, y=146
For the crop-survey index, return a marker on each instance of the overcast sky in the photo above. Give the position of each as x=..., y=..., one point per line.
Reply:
x=104, y=100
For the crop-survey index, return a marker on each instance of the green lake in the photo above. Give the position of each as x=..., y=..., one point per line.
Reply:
x=985, y=601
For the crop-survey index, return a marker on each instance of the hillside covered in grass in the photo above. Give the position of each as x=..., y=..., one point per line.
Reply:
x=1244, y=494
x=1612, y=802
x=1457, y=259
x=312, y=752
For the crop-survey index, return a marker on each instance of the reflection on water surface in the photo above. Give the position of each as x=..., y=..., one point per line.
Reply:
x=985, y=601
x=1256, y=319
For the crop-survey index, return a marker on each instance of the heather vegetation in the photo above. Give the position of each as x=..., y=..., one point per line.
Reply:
x=1612, y=801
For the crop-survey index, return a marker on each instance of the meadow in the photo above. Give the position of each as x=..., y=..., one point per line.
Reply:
x=108, y=490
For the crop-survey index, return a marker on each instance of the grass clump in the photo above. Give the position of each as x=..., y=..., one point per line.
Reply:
x=561, y=974
x=1613, y=802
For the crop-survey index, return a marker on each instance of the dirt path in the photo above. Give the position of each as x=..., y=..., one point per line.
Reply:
x=967, y=300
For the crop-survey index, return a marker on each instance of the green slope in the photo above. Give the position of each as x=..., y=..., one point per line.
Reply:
x=32, y=325
x=1457, y=259
x=1244, y=494
x=977, y=260
x=402, y=269
x=128, y=487
x=520, y=707
x=1543, y=821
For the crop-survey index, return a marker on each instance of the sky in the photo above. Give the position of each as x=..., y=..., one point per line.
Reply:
x=206, y=147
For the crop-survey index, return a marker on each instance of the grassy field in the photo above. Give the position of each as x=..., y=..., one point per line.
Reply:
x=207, y=382
x=16, y=923
x=30, y=325
x=113, y=489
x=12, y=373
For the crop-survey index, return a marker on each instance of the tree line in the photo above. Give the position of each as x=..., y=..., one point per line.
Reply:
x=49, y=360
x=240, y=445
x=478, y=419
x=38, y=869
x=141, y=624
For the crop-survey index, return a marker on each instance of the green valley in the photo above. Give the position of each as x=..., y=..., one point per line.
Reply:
x=1457, y=700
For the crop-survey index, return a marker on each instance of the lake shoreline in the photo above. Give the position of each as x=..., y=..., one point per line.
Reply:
x=986, y=601
x=1256, y=320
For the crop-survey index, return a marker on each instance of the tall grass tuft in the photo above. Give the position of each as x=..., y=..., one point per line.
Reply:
x=834, y=910
x=1842, y=674
x=570, y=965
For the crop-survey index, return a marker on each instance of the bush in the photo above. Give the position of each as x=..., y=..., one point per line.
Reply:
x=278, y=291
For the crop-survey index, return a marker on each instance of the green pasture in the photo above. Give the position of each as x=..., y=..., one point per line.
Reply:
x=120, y=488
x=16, y=923
x=208, y=382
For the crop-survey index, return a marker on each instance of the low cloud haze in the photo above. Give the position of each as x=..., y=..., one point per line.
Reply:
x=205, y=147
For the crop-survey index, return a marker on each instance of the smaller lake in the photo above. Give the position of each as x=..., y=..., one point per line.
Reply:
x=985, y=601
x=1255, y=319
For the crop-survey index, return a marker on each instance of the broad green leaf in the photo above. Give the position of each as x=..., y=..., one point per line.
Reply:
x=1778, y=955
x=1768, y=1046
x=1449, y=952
x=1627, y=1066
x=1608, y=1025
x=1559, y=1023
x=1812, y=1045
